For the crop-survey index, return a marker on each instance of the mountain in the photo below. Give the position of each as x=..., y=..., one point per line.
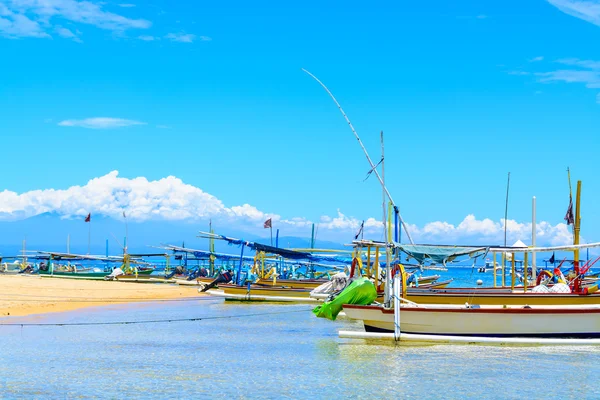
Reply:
x=49, y=231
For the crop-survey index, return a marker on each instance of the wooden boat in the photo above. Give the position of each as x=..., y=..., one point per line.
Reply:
x=259, y=293
x=194, y=282
x=497, y=296
x=281, y=293
x=423, y=280
x=292, y=283
x=92, y=275
x=492, y=321
x=265, y=291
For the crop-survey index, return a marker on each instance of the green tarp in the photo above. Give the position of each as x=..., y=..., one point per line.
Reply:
x=361, y=291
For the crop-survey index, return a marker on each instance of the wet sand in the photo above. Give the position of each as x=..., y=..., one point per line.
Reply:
x=25, y=295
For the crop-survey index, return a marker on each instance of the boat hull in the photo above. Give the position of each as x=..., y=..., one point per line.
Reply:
x=264, y=291
x=292, y=283
x=540, y=322
x=91, y=275
x=498, y=297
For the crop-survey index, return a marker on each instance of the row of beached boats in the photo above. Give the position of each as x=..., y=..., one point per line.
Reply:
x=545, y=308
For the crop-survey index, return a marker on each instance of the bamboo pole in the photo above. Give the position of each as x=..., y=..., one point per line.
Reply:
x=388, y=282
x=576, y=229
x=380, y=178
x=525, y=283
x=512, y=264
x=503, y=269
x=494, y=266
x=533, y=240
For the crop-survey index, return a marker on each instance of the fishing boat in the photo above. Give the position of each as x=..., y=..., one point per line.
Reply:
x=490, y=321
x=407, y=321
x=259, y=293
x=50, y=268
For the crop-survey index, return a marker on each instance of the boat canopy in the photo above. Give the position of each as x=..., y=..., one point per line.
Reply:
x=284, y=253
x=439, y=253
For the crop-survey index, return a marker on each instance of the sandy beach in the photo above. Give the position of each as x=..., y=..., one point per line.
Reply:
x=25, y=295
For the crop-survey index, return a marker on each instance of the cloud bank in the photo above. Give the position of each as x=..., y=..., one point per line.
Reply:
x=171, y=199
x=34, y=18
x=587, y=10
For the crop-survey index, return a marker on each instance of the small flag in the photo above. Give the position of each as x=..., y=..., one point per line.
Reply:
x=88, y=218
x=569, y=216
x=551, y=260
x=359, y=231
x=124, y=216
x=268, y=224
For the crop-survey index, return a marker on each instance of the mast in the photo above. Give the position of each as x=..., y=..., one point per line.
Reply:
x=385, y=230
x=505, y=226
x=364, y=150
x=506, y=208
x=533, y=240
x=576, y=229
x=211, y=248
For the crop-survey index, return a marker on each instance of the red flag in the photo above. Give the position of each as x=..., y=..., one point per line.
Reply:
x=268, y=224
x=88, y=218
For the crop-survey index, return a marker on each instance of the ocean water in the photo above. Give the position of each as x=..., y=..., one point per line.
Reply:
x=265, y=351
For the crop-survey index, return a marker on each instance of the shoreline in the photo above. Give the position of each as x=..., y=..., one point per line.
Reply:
x=23, y=295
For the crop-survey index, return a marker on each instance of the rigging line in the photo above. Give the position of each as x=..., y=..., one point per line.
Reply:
x=371, y=170
x=363, y=148
x=126, y=300
x=155, y=321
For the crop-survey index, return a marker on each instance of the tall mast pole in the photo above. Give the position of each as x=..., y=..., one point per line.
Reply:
x=364, y=150
x=386, y=288
x=533, y=240
x=576, y=228
x=506, y=208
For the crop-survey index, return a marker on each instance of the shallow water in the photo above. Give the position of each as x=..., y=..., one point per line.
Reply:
x=265, y=351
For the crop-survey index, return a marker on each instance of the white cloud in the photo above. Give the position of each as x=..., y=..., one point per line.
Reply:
x=480, y=16
x=536, y=59
x=32, y=18
x=126, y=5
x=100, y=123
x=587, y=10
x=586, y=72
x=587, y=64
x=181, y=37
x=15, y=25
x=66, y=33
x=171, y=199
x=486, y=231
x=147, y=38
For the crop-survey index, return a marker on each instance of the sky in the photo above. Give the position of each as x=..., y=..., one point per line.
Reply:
x=189, y=111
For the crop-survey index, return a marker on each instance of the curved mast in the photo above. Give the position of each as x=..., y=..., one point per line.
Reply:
x=364, y=150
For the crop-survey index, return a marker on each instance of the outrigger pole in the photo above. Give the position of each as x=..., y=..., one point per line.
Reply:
x=365, y=151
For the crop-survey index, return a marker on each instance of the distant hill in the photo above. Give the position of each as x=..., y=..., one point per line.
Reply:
x=49, y=231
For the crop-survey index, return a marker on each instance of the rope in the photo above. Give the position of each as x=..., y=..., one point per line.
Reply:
x=124, y=300
x=154, y=321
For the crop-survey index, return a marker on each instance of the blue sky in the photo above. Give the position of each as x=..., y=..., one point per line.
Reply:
x=213, y=94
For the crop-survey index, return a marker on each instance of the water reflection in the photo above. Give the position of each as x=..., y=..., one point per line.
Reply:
x=291, y=355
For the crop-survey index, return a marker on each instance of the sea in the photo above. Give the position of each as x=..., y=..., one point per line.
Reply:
x=207, y=348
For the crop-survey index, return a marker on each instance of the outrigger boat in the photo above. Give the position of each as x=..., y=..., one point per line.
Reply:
x=466, y=323
x=586, y=293
x=470, y=323
x=49, y=269
x=524, y=323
